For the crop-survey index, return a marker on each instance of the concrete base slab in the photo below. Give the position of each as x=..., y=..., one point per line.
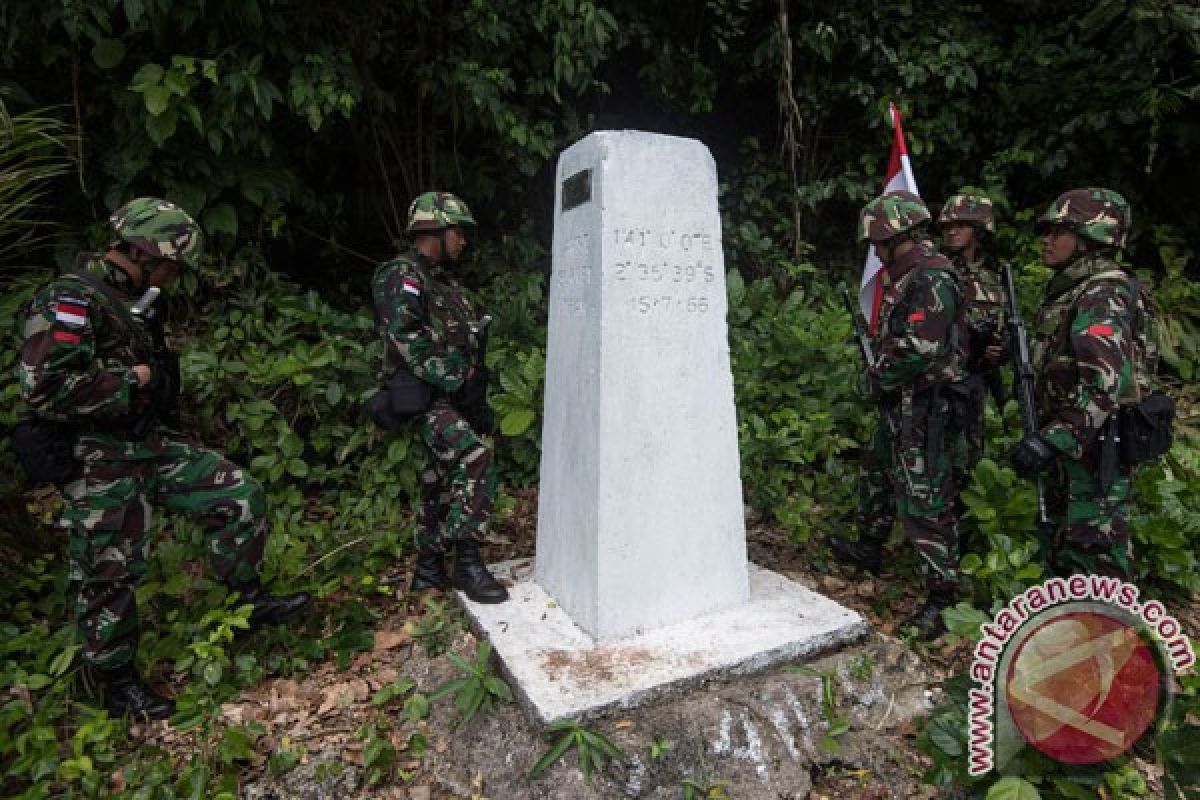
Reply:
x=558, y=671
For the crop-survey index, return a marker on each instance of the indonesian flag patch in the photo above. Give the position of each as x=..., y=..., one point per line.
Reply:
x=916, y=316
x=412, y=287
x=71, y=311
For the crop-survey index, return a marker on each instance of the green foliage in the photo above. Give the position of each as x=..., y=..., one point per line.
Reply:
x=1006, y=553
x=594, y=749
x=379, y=754
x=33, y=153
x=704, y=789
x=1013, y=789
x=437, y=625
x=478, y=688
x=839, y=724
x=660, y=747
x=800, y=418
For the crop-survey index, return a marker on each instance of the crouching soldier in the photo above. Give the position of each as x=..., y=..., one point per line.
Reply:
x=98, y=382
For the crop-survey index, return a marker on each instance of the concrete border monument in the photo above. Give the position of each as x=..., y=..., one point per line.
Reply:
x=641, y=580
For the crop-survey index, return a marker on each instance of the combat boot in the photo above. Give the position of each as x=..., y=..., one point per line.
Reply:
x=473, y=577
x=928, y=620
x=269, y=609
x=430, y=571
x=126, y=694
x=858, y=553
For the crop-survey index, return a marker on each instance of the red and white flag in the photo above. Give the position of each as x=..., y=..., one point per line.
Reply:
x=899, y=176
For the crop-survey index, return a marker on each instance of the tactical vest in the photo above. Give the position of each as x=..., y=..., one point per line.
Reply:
x=982, y=290
x=951, y=365
x=448, y=313
x=1053, y=359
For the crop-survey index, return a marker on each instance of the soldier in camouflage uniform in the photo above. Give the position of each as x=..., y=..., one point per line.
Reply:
x=432, y=330
x=967, y=224
x=91, y=365
x=918, y=375
x=1089, y=352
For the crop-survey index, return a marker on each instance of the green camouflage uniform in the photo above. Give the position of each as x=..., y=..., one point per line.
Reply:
x=983, y=297
x=1083, y=356
x=985, y=308
x=1089, y=352
x=430, y=326
x=76, y=361
x=921, y=346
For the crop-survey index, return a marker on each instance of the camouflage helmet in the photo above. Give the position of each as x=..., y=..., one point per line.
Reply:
x=433, y=211
x=890, y=215
x=973, y=208
x=1100, y=215
x=160, y=228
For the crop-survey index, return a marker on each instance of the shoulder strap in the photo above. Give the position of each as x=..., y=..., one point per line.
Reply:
x=115, y=300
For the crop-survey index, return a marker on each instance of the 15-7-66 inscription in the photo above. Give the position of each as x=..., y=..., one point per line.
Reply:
x=664, y=270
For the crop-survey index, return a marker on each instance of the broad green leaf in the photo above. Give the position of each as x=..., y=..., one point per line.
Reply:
x=220, y=218
x=1012, y=788
x=108, y=53
x=156, y=98
x=517, y=422
x=149, y=75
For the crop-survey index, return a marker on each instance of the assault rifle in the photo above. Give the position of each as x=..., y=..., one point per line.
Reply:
x=167, y=380
x=1023, y=379
x=864, y=350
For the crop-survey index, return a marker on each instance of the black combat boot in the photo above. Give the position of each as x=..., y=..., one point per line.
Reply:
x=430, y=572
x=928, y=620
x=268, y=608
x=861, y=554
x=473, y=577
x=125, y=693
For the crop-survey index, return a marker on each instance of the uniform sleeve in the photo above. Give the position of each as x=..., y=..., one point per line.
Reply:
x=400, y=307
x=1102, y=343
x=60, y=375
x=918, y=332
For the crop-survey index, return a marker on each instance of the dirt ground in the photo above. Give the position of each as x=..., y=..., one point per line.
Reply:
x=761, y=737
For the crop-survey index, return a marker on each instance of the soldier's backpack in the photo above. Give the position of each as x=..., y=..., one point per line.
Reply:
x=1146, y=427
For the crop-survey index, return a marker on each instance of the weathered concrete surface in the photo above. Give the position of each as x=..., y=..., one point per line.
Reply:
x=640, y=513
x=558, y=671
x=761, y=735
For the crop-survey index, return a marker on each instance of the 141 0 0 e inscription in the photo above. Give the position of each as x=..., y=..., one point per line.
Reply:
x=676, y=268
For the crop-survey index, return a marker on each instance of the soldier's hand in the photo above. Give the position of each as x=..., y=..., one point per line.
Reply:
x=1031, y=455
x=144, y=373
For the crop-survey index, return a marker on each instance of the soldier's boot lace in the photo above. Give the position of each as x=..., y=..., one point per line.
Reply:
x=928, y=619
x=269, y=609
x=864, y=555
x=430, y=572
x=126, y=694
x=473, y=577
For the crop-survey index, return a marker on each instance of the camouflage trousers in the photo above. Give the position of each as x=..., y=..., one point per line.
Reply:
x=108, y=512
x=898, y=479
x=1091, y=535
x=458, y=485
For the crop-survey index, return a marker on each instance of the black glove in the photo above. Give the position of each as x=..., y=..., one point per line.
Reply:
x=1031, y=455
x=163, y=388
x=482, y=419
x=473, y=392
